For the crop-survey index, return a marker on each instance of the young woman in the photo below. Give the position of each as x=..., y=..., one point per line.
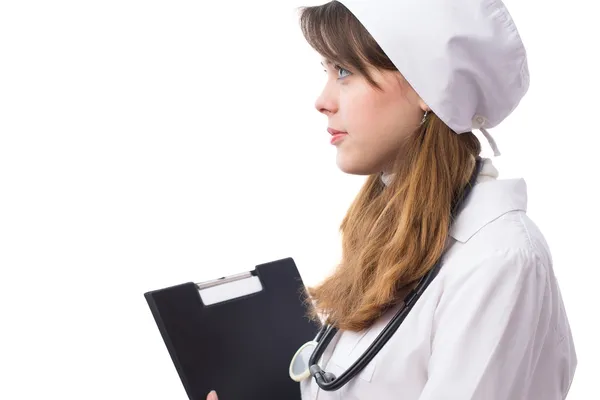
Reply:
x=408, y=81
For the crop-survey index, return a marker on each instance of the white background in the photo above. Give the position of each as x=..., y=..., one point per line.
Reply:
x=149, y=143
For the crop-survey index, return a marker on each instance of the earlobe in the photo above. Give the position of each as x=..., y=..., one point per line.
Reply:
x=424, y=106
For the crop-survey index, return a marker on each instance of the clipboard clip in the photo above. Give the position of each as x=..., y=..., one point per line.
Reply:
x=229, y=287
x=224, y=280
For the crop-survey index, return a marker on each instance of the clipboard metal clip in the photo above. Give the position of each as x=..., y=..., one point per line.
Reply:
x=224, y=280
x=229, y=287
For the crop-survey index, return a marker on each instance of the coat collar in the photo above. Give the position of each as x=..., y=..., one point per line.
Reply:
x=488, y=201
x=490, y=198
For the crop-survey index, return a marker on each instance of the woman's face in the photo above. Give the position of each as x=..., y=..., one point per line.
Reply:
x=376, y=121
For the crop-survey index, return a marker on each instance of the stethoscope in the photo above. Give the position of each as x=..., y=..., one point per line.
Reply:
x=304, y=363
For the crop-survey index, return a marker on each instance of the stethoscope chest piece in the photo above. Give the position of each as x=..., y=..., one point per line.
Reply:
x=299, y=367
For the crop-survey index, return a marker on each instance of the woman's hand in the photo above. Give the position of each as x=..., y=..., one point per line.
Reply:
x=212, y=396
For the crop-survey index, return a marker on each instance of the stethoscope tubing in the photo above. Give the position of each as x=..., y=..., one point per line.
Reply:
x=327, y=381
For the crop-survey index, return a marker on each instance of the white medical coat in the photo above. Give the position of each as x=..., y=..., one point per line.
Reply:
x=491, y=325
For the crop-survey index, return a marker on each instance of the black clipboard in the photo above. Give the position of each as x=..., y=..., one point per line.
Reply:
x=241, y=347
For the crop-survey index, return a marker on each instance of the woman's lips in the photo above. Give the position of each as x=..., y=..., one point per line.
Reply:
x=336, y=135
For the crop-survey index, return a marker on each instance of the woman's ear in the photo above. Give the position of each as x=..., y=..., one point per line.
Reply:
x=423, y=106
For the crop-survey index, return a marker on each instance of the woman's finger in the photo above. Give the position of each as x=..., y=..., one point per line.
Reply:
x=212, y=396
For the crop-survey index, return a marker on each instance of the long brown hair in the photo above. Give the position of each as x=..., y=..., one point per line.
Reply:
x=391, y=236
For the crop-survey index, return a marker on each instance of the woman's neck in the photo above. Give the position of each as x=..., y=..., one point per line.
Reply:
x=488, y=172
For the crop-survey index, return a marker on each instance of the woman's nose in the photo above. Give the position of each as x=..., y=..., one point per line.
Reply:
x=327, y=102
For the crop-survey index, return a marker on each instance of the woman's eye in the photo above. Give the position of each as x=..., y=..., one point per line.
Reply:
x=340, y=69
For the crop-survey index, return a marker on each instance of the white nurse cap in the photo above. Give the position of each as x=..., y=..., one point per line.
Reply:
x=464, y=58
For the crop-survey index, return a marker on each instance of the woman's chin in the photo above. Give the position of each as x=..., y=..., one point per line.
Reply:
x=353, y=167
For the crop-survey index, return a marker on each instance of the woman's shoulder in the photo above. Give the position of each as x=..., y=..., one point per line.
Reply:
x=494, y=228
x=511, y=233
